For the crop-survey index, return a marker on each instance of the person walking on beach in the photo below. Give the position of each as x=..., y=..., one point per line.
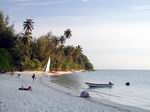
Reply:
x=33, y=77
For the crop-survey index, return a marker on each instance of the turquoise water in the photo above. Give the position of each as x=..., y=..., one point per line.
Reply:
x=137, y=94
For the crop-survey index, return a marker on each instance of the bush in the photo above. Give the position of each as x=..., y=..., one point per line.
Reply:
x=5, y=60
x=34, y=64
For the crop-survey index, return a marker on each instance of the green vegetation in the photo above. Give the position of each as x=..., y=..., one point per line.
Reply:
x=22, y=52
x=5, y=60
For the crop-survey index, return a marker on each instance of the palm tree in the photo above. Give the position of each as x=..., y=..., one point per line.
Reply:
x=77, y=53
x=26, y=38
x=69, y=50
x=62, y=40
x=28, y=25
x=67, y=33
x=79, y=49
x=55, y=41
x=27, y=35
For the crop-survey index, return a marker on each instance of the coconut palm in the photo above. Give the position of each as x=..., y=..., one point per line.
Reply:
x=26, y=38
x=55, y=41
x=62, y=40
x=27, y=35
x=79, y=49
x=68, y=51
x=77, y=52
x=67, y=33
x=28, y=25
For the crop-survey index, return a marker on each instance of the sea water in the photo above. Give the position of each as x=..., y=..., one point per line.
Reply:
x=137, y=94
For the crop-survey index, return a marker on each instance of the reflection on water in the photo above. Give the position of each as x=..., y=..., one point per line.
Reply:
x=69, y=81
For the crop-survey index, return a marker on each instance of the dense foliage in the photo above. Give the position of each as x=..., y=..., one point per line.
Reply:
x=22, y=52
x=5, y=60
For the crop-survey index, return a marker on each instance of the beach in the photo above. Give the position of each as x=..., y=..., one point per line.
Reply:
x=49, y=97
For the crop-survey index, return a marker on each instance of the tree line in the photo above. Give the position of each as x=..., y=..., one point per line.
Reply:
x=23, y=52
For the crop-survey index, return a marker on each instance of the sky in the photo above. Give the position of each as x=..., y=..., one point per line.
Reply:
x=114, y=34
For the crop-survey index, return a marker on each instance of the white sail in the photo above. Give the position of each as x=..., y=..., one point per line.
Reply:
x=48, y=65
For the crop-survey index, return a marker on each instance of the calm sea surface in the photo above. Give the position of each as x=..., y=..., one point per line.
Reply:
x=137, y=94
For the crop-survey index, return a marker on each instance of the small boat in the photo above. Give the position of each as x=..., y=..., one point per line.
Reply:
x=99, y=85
x=46, y=68
x=48, y=65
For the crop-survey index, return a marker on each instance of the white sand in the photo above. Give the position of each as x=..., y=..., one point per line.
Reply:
x=49, y=97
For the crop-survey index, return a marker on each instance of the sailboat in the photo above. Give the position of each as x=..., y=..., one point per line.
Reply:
x=47, y=67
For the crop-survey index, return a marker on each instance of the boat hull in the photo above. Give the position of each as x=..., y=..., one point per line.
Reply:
x=98, y=85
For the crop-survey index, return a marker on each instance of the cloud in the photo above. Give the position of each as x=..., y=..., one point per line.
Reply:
x=140, y=7
x=43, y=3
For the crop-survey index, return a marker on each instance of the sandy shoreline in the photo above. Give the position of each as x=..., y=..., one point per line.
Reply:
x=48, y=74
x=49, y=97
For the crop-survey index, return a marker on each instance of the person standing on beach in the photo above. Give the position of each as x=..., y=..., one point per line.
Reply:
x=12, y=72
x=33, y=77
